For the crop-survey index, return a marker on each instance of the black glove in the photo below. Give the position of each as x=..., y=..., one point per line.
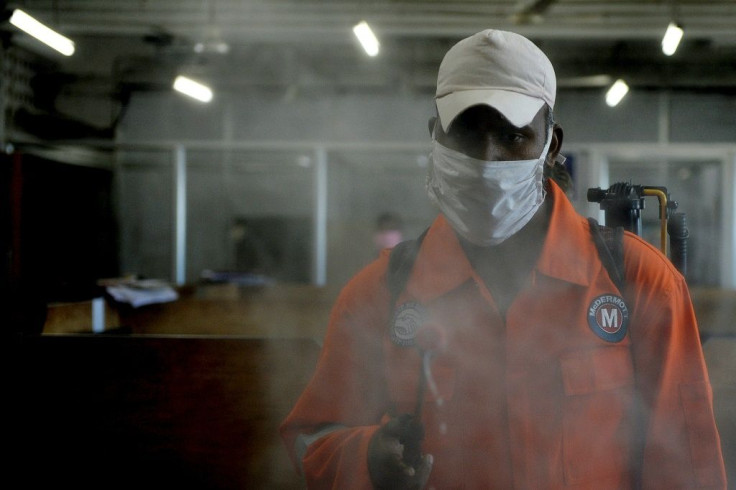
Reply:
x=395, y=460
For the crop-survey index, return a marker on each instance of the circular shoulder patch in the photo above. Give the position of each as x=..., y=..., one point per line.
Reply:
x=407, y=320
x=608, y=317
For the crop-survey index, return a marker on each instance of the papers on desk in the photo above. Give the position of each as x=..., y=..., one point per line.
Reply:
x=140, y=292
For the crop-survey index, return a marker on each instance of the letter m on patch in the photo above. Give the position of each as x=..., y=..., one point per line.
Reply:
x=609, y=317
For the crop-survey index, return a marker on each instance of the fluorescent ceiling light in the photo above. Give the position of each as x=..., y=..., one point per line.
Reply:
x=366, y=37
x=218, y=47
x=193, y=89
x=671, y=39
x=617, y=92
x=46, y=35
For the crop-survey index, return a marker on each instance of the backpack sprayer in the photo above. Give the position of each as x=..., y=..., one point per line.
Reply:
x=623, y=203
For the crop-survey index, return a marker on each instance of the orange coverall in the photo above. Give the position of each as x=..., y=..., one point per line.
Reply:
x=574, y=388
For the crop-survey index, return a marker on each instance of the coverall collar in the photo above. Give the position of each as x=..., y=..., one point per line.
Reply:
x=442, y=265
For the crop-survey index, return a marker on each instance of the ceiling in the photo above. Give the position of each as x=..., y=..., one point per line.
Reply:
x=297, y=46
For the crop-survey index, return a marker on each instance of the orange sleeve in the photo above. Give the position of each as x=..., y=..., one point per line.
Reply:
x=680, y=446
x=339, y=461
x=347, y=389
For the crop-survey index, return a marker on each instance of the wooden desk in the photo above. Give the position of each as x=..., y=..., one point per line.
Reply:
x=277, y=311
x=140, y=412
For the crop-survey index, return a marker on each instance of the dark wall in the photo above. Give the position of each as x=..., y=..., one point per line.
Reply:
x=67, y=227
x=59, y=235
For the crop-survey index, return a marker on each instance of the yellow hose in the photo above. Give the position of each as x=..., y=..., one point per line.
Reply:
x=662, y=216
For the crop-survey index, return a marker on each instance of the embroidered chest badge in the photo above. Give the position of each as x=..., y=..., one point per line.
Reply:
x=608, y=317
x=407, y=320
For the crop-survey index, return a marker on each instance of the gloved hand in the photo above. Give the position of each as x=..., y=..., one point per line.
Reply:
x=395, y=460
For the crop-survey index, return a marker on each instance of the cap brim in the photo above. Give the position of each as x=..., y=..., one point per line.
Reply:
x=518, y=108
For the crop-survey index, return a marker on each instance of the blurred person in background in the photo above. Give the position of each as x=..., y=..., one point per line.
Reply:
x=389, y=231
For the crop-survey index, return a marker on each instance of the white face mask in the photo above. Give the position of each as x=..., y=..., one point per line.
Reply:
x=485, y=201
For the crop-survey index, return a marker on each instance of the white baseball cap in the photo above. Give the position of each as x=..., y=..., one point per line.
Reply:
x=500, y=69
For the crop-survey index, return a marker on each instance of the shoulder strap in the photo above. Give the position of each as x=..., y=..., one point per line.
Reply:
x=610, y=244
x=400, y=263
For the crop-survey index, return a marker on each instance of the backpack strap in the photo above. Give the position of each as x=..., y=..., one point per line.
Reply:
x=610, y=244
x=400, y=263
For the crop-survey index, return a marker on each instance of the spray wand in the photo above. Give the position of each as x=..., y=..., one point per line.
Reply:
x=430, y=339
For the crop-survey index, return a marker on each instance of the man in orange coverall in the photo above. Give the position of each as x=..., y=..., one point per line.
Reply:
x=542, y=374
